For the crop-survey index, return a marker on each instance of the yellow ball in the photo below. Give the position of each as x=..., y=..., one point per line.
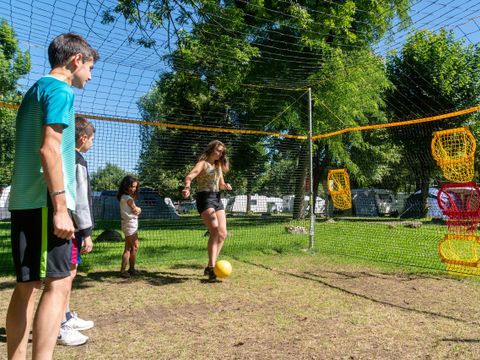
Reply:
x=222, y=269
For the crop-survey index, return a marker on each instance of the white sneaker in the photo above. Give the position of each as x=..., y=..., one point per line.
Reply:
x=79, y=324
x=70, y=337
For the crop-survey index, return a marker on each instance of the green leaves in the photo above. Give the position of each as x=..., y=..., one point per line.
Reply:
x=13, y=65
x=108, y=177
x=432, y=74
x=235, y=43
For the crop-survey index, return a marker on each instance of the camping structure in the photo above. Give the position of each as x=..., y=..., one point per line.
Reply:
x=258, y=204
x=4, y=196
x=374, y=202
x=154, y=206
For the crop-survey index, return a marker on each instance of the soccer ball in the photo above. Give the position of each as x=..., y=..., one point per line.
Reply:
x=222, y=269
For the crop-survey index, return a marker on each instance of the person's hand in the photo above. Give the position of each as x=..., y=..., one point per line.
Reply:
x=87, y=245
x=63, y=225
x=228, y=187
x=186, y=193
x=139, y=210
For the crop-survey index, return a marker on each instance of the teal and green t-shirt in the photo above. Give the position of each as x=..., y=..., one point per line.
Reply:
x=48, y=102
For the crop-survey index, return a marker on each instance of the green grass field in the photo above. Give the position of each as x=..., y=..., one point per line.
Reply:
x=385, y=244
x=368, y=290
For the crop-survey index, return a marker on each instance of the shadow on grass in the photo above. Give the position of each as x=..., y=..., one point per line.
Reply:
x=460, y=340
x=316, y=278
x=3, y=335
x=7, y=285
x=156, y=278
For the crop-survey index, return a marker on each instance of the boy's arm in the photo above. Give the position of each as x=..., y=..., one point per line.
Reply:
x=81, y=215
x=87, y=245
x=51, y=158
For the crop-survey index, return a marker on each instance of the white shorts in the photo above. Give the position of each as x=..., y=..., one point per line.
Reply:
x=129, y=227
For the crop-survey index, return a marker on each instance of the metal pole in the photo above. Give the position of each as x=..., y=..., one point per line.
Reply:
x=310, y=141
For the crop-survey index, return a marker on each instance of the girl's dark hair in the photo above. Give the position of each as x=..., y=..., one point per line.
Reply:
x=126, y=182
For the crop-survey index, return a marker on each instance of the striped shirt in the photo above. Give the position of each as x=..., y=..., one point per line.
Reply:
x=48, y=102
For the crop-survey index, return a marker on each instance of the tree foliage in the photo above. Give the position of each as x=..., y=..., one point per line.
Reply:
x=433, y=73
x=13, y=65
x=237, y=42
x=108, y=177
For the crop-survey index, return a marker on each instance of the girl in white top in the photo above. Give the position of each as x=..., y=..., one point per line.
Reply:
x=129, y=212
x=209, y=170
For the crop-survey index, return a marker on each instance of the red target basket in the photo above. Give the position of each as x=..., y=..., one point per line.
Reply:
x=461, y=204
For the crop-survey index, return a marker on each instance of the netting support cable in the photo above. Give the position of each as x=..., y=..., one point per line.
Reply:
x=310, y=155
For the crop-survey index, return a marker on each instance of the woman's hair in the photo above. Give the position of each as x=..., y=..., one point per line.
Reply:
x=223, y=161
x=126, y=182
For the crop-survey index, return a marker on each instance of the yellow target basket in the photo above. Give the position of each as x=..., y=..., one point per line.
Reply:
x=454, y=150
x=459, y=253
x=339, y=188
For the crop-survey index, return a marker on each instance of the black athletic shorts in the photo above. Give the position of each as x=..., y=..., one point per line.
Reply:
x=37, y=252
x=208, y=199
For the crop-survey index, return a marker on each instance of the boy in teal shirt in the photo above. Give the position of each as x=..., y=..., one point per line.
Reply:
x=43, y=196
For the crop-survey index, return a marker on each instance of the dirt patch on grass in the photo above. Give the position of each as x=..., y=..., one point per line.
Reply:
x=276, y=307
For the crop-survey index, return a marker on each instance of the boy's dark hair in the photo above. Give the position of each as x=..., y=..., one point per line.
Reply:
x=126, y=182
x=64, y=46
x=83, y=127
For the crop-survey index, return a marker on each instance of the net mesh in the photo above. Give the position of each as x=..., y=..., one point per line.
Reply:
x=160, y=93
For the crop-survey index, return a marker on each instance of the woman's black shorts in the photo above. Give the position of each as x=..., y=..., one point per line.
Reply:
x=208, y=199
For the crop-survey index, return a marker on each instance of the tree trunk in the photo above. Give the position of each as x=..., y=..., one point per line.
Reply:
x=424, y=183
x=321, y=159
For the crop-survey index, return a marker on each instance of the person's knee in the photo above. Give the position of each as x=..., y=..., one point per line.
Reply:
x=222, y=235
x=215, y=231
x=28, y=288
x=58, y=285
x=73, y=270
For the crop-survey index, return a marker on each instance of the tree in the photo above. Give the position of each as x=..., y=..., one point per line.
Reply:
x=285, y=43
x=13, y=65
x=351, y=94
x=433, y=73
x=108, y=177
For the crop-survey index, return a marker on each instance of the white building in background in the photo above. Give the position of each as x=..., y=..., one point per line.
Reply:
x=4, y=197
x=258, y=204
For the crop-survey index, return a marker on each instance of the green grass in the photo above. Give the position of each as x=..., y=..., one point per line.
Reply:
x=388, y=245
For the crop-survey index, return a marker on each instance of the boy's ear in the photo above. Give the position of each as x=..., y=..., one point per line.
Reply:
x=77, y=59
x=83, y=139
